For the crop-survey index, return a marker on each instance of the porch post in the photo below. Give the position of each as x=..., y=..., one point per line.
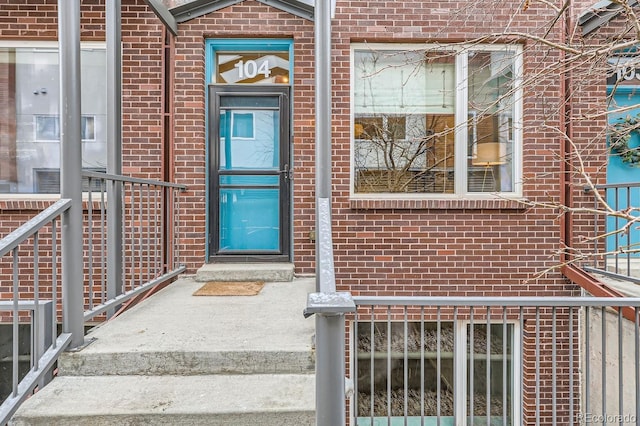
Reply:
x=71, y=170
x=330, y=323
x=114, y=149
x=322, y=29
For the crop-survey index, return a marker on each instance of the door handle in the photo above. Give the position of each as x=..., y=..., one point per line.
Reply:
x=286, y=172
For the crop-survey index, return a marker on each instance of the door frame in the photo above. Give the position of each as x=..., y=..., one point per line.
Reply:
x=214, y=93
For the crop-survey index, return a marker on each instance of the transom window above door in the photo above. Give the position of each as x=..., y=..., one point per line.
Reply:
x=433, y=121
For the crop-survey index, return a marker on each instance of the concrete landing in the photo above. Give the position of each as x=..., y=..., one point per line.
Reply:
x=179, y=359
x=178, y=333
x=268, y=272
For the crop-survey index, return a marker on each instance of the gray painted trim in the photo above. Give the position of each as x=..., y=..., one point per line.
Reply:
x=172, y=17
x=199, y=8
x=297, y=8
x=599, y=14
x=164, y=15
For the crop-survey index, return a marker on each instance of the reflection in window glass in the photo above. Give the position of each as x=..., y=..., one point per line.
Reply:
x=29, y=107
x=490, y=123
x=48, y=128
x=405, y=129
x=404, y=107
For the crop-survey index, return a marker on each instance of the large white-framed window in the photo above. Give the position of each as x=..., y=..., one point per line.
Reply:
x=439, y=121
x=29, y=107
x=453, y=372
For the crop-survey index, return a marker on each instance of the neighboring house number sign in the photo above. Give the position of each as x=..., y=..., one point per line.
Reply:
x=625, y=72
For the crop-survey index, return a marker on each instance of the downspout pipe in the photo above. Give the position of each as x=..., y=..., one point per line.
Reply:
x=566, y=198
x=71, y=170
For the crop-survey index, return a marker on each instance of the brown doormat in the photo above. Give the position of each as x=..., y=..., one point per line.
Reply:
x=230, y=288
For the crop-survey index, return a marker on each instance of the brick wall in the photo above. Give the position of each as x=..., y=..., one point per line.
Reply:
x=421, y=247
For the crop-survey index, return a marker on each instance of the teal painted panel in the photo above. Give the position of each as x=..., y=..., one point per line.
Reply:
x=249, y=219
x=252, y=180
x=620, y=172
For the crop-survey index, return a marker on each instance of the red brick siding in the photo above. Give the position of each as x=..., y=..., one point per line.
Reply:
x=381, y=247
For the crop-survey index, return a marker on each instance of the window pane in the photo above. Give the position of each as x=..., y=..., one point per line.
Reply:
x=29, y=117
x=493, y=377
x=491, y=112
x=375, y=362
x=404, y=103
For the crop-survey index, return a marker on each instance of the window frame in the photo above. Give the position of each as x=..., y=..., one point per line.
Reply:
x=46, y=44
x=461, y=356
x=461, y=119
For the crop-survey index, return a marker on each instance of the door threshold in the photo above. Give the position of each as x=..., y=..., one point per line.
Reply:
x=268, y=272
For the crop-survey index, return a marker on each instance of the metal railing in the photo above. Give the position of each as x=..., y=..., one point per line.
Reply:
x=616, y=240
x=148, y=222
x=495, y=361
x=134, y=227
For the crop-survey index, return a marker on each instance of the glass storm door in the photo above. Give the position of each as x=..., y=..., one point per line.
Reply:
x=249, y=148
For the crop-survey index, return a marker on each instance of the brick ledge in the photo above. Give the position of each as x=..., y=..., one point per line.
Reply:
x=457, y=204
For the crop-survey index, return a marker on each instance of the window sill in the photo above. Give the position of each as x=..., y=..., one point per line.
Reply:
x=440, y=204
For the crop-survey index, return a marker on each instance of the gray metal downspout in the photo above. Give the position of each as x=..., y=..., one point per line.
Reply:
x=114, y=150
x=71, y=170
x=330, y=326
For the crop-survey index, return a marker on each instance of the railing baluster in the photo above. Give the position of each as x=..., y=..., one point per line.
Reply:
x=620, y=369
x=140, y=216
x=628, y=234
x=521, y=390
x=149, y=233
x=603, y=372
x=537, y=366
x=406, y=366
x=587, y=369
x=438, y=365
x=371, y=363
x=471, y=368
x=157, y=231
x=54, y=282
x=35, y=323
x=571, y=366
x=389, y=365
x=90, y=245
x=554, y=376
x=103, y=245
x=355, y=352
x=422, y=369
x=488, y=368
x=504, y=365
x=15, y=349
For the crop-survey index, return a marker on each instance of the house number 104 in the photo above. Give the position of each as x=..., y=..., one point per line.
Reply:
x=250, y=69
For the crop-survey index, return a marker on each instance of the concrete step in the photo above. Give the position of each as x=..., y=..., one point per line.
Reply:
x=177, y=333
x=268, y=272
x=266, y=400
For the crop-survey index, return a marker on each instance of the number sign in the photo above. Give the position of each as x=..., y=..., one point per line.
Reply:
x=252, y=68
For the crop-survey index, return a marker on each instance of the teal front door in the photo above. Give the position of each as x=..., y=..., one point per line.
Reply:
x=249, y=180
